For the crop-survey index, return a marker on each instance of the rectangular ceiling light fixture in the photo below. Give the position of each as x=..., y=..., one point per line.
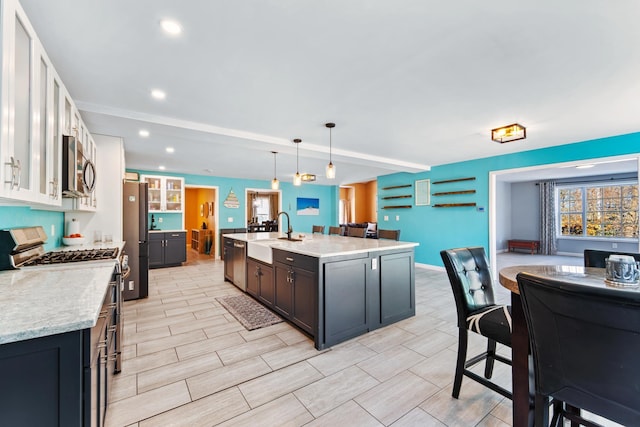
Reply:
x=509, y=133
x=308, y=177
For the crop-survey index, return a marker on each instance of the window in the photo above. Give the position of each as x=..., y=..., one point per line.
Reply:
x=598, y=210
x=262, y=206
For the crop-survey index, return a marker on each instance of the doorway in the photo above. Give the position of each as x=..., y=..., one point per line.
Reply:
x=262, y=206
x=566, y=170
x=358, y=202
x=201, y=219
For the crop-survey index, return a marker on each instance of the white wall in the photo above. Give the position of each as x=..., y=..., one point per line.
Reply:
x=110, y=170
x=503, y=215
x=525, y=211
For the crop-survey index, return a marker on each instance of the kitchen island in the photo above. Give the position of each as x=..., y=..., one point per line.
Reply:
x=333, y=288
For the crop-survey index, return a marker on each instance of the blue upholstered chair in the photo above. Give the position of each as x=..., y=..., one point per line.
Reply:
x=470, y=278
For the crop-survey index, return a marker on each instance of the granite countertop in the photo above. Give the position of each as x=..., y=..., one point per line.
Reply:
x=320, y=245
x=40, y=301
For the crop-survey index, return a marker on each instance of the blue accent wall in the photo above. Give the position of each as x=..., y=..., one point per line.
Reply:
x=443, y=228
x=23, y=216
x=433, y=228
x=328, y=196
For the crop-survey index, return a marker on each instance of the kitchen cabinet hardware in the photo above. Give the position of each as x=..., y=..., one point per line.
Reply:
x=289, y=259
x=14, y=165
x=454, y=180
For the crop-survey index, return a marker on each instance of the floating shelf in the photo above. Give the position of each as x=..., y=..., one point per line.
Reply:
x=446, y=193
x=452, y=205
x=473, y=178
x=404, y=196
x=397, y=186
x=397, y=207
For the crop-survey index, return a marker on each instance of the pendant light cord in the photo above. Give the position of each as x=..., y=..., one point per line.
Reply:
x=274, y=163
x=330, y=145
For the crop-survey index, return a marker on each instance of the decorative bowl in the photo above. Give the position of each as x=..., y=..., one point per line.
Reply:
x=72, y=241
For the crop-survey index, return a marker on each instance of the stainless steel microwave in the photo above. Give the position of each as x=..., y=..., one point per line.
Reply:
x=78, y=173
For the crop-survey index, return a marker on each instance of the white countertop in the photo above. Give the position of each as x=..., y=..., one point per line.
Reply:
x=41, y=301
x=167, y=231
x=321, y=245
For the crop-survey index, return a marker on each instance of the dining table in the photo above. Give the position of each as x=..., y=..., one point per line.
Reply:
x=522, y=389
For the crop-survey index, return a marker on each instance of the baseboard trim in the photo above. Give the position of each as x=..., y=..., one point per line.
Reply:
x=429, y=267
x=570, y=254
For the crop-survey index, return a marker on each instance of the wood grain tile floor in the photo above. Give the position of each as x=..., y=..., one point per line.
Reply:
x=187, y=362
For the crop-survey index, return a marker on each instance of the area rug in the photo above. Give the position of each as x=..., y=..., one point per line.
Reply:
x=250, y=313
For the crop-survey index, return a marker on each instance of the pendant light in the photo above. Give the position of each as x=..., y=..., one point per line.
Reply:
x=297, y=178
x=331, y=169
x=275, y=184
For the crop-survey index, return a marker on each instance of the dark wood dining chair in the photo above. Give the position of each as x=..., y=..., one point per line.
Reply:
x=356, y=232
x=470, y=278
x=318, y=229
x=335, y=231
x=596, y=258
x=389, y=234
x=585, y=342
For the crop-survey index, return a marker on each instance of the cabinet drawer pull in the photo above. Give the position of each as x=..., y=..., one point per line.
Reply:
x=289, y=259
x=175, y=235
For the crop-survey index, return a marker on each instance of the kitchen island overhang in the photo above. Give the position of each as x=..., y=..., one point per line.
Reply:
x=333, y=288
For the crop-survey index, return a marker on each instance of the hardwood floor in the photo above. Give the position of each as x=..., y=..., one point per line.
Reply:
x=188, y=362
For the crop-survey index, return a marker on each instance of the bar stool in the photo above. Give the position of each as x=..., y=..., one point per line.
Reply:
x=470, y=278
x=336, y=231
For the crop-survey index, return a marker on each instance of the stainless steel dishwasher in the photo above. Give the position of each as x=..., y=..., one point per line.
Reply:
x=240, y=265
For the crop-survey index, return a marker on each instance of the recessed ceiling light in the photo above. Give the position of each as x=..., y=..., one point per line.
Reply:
x=585, y=166
x=143, y=133
x=171, y=27
x=158, y=94
x=170, y=149
x=161, y=167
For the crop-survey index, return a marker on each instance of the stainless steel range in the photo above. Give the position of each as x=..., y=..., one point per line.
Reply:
x=77, y=255
x=23, y=248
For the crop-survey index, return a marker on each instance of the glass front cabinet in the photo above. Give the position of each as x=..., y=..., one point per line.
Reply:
x=166, y=193
x=30, y=103
x=36, y=111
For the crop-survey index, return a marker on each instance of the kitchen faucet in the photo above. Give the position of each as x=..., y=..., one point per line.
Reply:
x=289, y=229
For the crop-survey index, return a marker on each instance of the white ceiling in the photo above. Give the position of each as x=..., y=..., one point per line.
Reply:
x=409, y=83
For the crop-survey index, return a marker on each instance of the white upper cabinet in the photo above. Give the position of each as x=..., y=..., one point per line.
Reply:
x=36, y=111
x=166, y=193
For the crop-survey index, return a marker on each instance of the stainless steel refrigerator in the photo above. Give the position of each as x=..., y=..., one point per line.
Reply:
x=135, y=233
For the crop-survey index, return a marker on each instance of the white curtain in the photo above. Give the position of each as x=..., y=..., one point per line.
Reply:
x=346, y=211
x=548, y=244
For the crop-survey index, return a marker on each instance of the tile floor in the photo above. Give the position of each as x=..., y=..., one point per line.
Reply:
x=188, y=362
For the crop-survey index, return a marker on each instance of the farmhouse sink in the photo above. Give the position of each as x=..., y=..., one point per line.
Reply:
x=260, y=250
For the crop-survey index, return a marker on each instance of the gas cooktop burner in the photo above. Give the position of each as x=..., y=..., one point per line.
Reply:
x=59, y=257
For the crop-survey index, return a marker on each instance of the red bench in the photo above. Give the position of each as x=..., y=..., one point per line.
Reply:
x=532, y=245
